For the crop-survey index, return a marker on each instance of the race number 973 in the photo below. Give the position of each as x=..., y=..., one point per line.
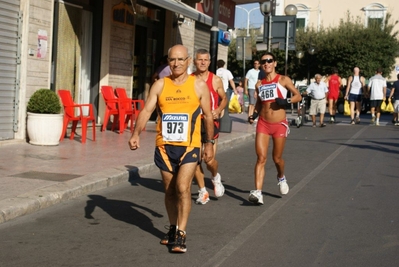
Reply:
x=175, y=127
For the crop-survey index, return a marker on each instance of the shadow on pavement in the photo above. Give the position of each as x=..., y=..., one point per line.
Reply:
x=124, y=211
x=135, y=179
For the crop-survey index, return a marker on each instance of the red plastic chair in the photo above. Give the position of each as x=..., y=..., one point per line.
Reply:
x=70, y=109
x=133, y=107
x=127, y=106
x=113, y=106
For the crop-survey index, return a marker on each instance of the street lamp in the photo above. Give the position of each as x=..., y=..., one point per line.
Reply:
x=266, y=8
x=290, y=10
x=248, y=14
x=243, y=39
x=311, y=51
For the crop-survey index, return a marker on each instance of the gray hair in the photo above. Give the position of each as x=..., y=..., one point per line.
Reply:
x=202, y=51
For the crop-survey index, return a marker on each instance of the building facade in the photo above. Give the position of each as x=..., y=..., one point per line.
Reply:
x=80, y=45
x=319, y=13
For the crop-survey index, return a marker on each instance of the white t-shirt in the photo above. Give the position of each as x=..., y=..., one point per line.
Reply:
x=377, y=84
x=226, y=76
x=318, y=91
x=252, y=76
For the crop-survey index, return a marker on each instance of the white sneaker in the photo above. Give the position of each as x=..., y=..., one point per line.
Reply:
x=284, y=188
x=377, y=123
x=256, y=197
x=203, y=197
x=218, y=187
x=298, y=121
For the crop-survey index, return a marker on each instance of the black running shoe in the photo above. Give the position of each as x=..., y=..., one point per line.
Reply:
x=169, y=238
x=180, y=242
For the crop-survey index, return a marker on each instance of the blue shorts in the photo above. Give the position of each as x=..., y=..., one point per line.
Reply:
x=355, y=98
x=170, y=158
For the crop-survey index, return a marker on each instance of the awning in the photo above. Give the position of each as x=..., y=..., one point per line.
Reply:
x=187, y=11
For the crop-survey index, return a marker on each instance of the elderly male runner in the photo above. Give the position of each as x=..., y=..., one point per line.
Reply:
x=179, y=99
x=202, y=61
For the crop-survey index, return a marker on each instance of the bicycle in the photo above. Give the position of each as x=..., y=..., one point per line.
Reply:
x=300, y=120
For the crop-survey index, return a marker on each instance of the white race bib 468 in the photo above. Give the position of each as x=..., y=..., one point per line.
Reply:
x=268, y=91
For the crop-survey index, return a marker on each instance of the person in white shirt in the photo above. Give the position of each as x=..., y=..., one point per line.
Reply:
x=227, y=78
x=318, y=92
x=377, y=89
x=249, y=86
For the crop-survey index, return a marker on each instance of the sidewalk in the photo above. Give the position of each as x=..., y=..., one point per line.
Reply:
x=36, y=177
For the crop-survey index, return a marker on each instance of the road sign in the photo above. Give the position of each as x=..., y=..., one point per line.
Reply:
x=279, y=31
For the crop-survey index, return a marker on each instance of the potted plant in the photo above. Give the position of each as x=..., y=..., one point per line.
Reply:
x=45, y=122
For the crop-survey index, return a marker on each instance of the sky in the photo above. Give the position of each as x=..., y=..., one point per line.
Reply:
x=255, y=17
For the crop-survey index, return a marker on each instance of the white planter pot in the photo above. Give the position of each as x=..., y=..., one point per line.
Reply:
x=44, y=129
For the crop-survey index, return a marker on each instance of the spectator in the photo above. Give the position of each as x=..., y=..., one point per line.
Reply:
x=162, y=70
x=227, y=79
x=377, y=89
x=249, y=86
x=354, y=96
x=395, y=94
x=318, y=92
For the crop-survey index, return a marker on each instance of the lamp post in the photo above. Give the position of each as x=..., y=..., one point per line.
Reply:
x=266, y=8
x=290, y=10
x=243, y=39
x=311, y=51
x=248, y=14
x=299, y=55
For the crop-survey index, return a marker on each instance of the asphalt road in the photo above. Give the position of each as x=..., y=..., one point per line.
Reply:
x=342, y=210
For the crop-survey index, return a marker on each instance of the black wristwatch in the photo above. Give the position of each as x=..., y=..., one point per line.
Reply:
x=210, y=141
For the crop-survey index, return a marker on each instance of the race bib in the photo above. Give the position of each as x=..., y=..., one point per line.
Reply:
x=268, y=91
x=175, y=127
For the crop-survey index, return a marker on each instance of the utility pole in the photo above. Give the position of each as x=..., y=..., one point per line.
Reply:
x=213, y=48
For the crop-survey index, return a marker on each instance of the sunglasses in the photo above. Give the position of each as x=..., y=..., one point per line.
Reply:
x=267, y=60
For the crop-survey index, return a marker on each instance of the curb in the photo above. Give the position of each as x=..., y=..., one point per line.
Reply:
x=45, y=197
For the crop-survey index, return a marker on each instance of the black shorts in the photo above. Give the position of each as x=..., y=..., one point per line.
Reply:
x=375, y=103
x=170, y=158
x=216, y=124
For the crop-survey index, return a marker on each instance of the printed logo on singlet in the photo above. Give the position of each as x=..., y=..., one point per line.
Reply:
x=268, y=91
x=175, y=127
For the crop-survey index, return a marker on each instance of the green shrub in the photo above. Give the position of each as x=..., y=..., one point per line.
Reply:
x=44, y=101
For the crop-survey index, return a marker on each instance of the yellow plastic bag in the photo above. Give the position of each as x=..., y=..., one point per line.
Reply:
x=234, y=105
x=383, y=106
x=389, y=107
x=347, y=109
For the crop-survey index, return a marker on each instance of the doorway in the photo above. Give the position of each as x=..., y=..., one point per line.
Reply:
x=74, y=54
